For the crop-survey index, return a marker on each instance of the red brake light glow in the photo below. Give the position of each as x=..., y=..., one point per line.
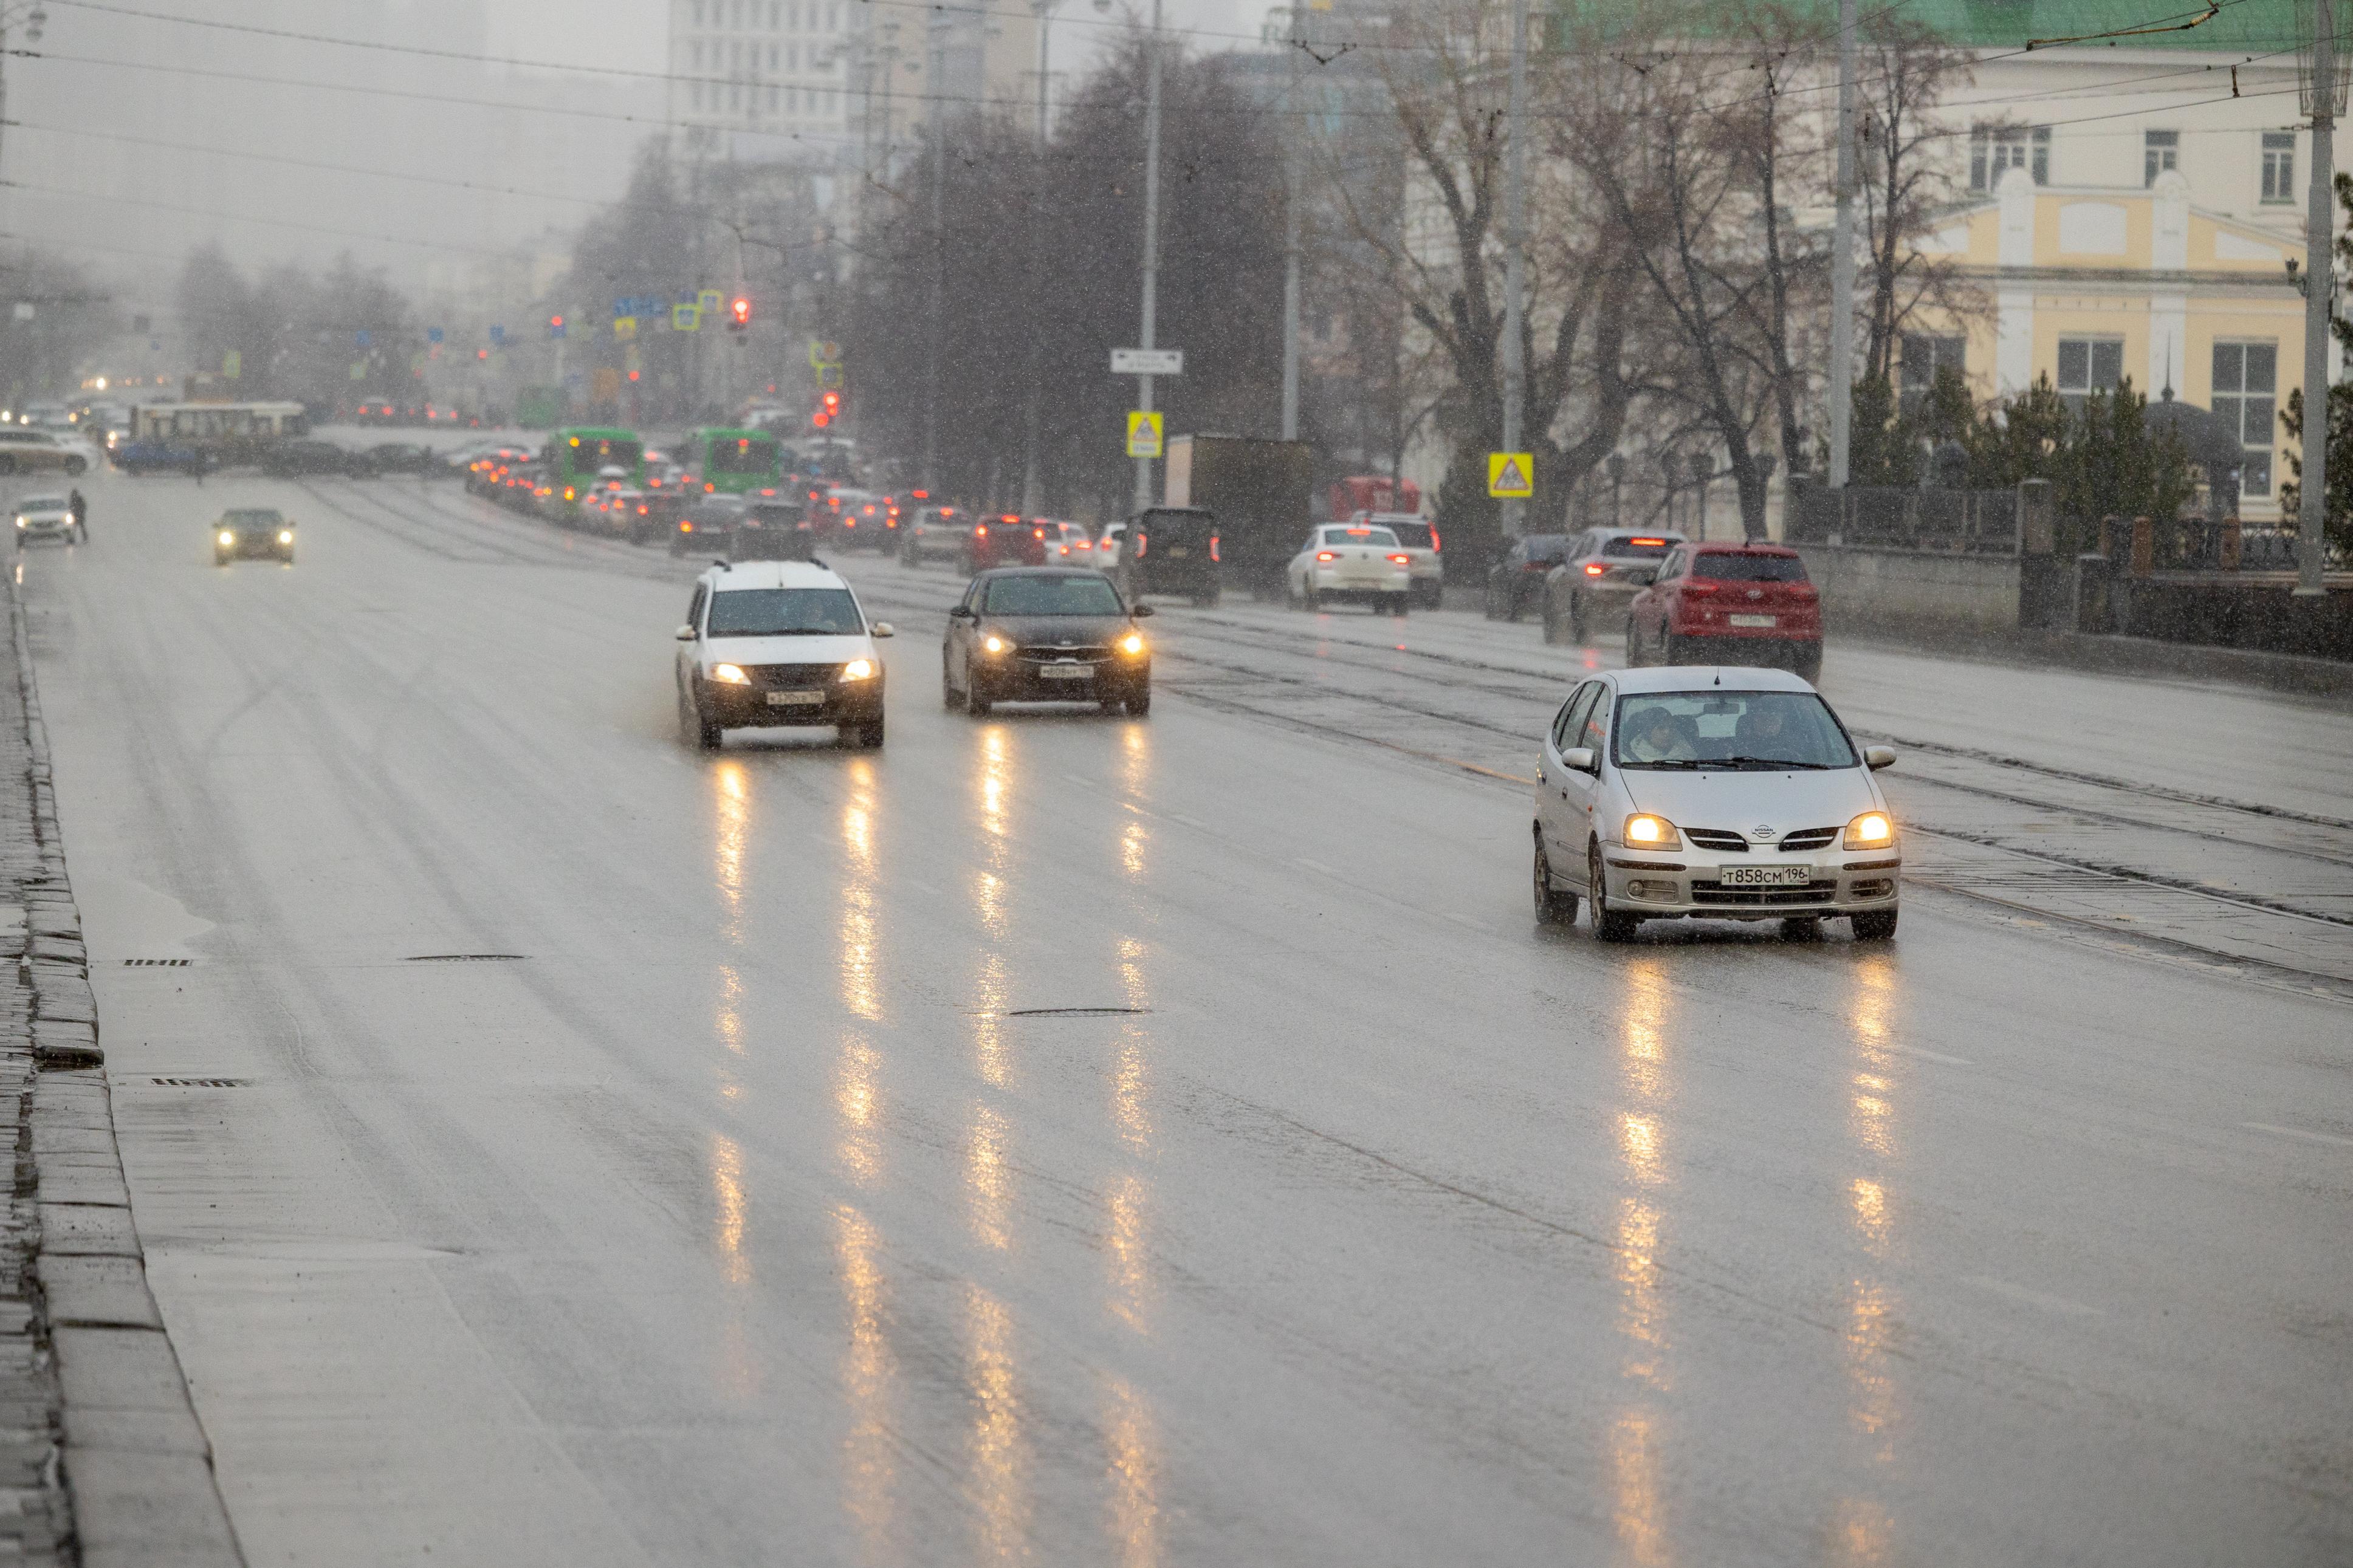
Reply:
x=1661, y=542
x=1326, y=555
x=1213, y=547
x=1433, y=538
x=1402, y=560
x=1593, y=568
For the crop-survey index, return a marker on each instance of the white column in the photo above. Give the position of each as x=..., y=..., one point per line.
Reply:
x=2014, y=338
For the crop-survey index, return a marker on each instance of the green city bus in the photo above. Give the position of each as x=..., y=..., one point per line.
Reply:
x=576, y=456
x=736, y=462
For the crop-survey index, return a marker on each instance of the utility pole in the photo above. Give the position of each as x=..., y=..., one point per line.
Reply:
x=1842, y=262
x=1516, y=258
x=1290, y=124
x=937, y=29
x=2320, y=285
x=1033, y=480
x=1151, y=258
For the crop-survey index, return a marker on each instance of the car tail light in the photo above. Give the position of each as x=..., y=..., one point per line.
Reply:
x=1803, y=591
x=1402, y=560
x=1213, y=548
x=1659, y=543
x=1699, y=585
x=1326, y=555
x=1142, y=541
x=685, y=527
x=980, y=530
x=1594, y=568
x=1433, y=538
x=1038, y=534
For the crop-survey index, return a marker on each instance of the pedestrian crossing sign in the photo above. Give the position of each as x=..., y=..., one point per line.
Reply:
x=1510, y=475
x=1143, y=434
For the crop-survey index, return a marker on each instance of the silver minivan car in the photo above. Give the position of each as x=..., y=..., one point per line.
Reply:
x=1722, y=794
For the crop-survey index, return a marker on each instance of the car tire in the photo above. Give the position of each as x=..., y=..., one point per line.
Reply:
x=949, y=695
x=1670, y=651
x=864, y=737
x=1400, y=603
x=1554, y=908
x=1139, y=706
x=1551, y=623
x=973, y=702
x=1877, y=925
x=1514, y=607
x=218, y=559
x=75, y=466
x=1609, y=925
x=288, y=558
x=1311, y=600
x=1580, y=629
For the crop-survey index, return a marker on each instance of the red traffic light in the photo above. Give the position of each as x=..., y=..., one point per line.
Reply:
x=739, y=311
x=822, y=419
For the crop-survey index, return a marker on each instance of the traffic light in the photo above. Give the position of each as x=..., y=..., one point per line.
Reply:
x=829, y=409
x=739, y=312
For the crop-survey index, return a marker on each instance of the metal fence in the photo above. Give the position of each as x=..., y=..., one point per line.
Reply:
x=1959, y=522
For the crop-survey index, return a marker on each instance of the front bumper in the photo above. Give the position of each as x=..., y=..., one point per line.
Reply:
x=253, y=546
x=1021, y=681
x=1689, y=882
x=748, y=708
x=1334, y=585
x=46, y=529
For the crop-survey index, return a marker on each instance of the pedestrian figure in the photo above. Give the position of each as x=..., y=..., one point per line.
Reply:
x=78, y=510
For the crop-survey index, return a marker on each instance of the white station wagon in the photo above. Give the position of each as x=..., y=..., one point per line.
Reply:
x=1727, y=794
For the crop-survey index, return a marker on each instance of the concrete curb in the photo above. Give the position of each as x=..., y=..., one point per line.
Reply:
x=138, y=1469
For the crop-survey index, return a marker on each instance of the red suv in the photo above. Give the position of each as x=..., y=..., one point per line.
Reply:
x=1010, y=540
x=1728, y=604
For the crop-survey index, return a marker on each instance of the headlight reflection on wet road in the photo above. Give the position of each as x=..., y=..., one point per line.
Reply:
x=1634, y=1441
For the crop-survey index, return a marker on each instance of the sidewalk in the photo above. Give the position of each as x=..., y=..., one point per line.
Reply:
x=102, y=1458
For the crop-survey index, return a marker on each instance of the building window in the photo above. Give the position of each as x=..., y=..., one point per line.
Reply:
x=776, y=14
x=1996, y=150
x=2159, y=151
x=1925, y=358
x=698, y=12
x=2246, y=379
x=2279, y=165
x=2088, y=365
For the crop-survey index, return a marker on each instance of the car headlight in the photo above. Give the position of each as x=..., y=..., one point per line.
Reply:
x=285, y=536
x=20, y=522
x=858, y=670
x=226, y=538
x=1133, y=643
x=1644, y=831
x=992, y=643
x=1871, y=830
x=729, y=673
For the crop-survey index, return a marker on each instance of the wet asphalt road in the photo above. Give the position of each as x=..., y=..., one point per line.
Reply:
x=1068, y=1140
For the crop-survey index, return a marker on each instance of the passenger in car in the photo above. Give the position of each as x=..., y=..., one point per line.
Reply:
x=1660, y=739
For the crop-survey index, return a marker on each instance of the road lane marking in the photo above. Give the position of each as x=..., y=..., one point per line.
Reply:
x=2032, y=1297
x=1315, y=865
x=1925, y=1052
x=2330, y=1137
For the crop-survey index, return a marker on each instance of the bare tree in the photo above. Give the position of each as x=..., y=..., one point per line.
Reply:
x=1906, y=73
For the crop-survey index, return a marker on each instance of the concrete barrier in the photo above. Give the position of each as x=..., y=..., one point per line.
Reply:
x=1931, y=593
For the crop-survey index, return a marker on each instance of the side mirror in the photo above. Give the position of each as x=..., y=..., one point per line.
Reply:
x=1140, y=611
x=1581, y=758
x=686, y=634
x=963, y=612
x=881, y=629
x=1878, y=757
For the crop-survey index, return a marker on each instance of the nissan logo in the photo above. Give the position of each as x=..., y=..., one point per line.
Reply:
x=1762, y=834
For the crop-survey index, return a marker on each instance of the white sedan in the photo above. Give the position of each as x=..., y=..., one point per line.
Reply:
x=1730, y=793
x=46, y=517
x=1350, y=560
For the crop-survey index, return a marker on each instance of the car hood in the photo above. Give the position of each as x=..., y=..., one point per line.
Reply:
x=45, y=513
x=1046, y=631
x=789, y=650
x=1742, y=802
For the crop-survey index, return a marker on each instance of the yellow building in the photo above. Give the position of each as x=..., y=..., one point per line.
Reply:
x=2089, y=286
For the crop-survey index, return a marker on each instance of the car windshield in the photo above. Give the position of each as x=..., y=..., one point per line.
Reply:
x=1547, y=546
x=1647, y=548
x=250, y=517
x=1076, y=595
x=1379, y=538
x=1724, y=566
x=42, y=503
x=784, y=613
x=1712, y=729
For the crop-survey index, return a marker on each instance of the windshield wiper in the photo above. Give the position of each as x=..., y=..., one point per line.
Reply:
x=1767, y=764
x=1668, y=762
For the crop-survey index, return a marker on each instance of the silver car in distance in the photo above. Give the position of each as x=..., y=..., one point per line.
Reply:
x=1726, y=794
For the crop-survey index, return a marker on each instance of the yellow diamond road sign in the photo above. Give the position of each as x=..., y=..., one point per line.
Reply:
x=1510, y=475
x=1143, y=434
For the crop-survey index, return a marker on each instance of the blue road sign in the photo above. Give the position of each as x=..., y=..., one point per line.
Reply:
x=498, y=334
x=432, y=334
x=361, y=338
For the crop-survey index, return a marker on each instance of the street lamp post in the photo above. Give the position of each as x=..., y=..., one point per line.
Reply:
x=1516, y=264
x=35, y=20
x=938, y=30
x=2320, y=271
x=1033, y=480
x=1151, y=256
x=1295, y=41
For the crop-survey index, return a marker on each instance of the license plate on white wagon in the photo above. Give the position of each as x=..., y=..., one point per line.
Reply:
x=1766, y=875
x=1066, y=672
x=1755, y=620
x=796, y=699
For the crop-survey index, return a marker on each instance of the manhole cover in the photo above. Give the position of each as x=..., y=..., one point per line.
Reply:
x=1076, y=1012
x=466, y=958
x=201, y=1082
x=156, y=963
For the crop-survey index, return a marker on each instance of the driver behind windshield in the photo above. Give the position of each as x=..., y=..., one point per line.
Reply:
x=784, y=613
x=1080, y=594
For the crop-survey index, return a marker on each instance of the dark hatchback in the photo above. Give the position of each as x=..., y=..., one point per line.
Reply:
x=1516, y=580
x=1173, y=550
x=292, y=459
x=1046, y=634
x=1010, y=540
x=252, y=531
x=777, y=531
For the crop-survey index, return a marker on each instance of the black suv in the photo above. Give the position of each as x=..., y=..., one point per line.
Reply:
x=1516, y=580
x=1173, y=550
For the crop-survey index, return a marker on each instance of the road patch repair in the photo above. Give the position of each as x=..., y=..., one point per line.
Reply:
x=100, y=1451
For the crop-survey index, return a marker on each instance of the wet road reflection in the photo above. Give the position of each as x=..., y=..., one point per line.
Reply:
x=1635, y=1439
x=869, y=1462
x=1000, y=1451
x=1864, y=1529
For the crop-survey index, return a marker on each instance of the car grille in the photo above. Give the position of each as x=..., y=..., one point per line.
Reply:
x=1814, y=892
x=1090, y=654
x=791, y=676
x=1717, y=838
x=1808, y=838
